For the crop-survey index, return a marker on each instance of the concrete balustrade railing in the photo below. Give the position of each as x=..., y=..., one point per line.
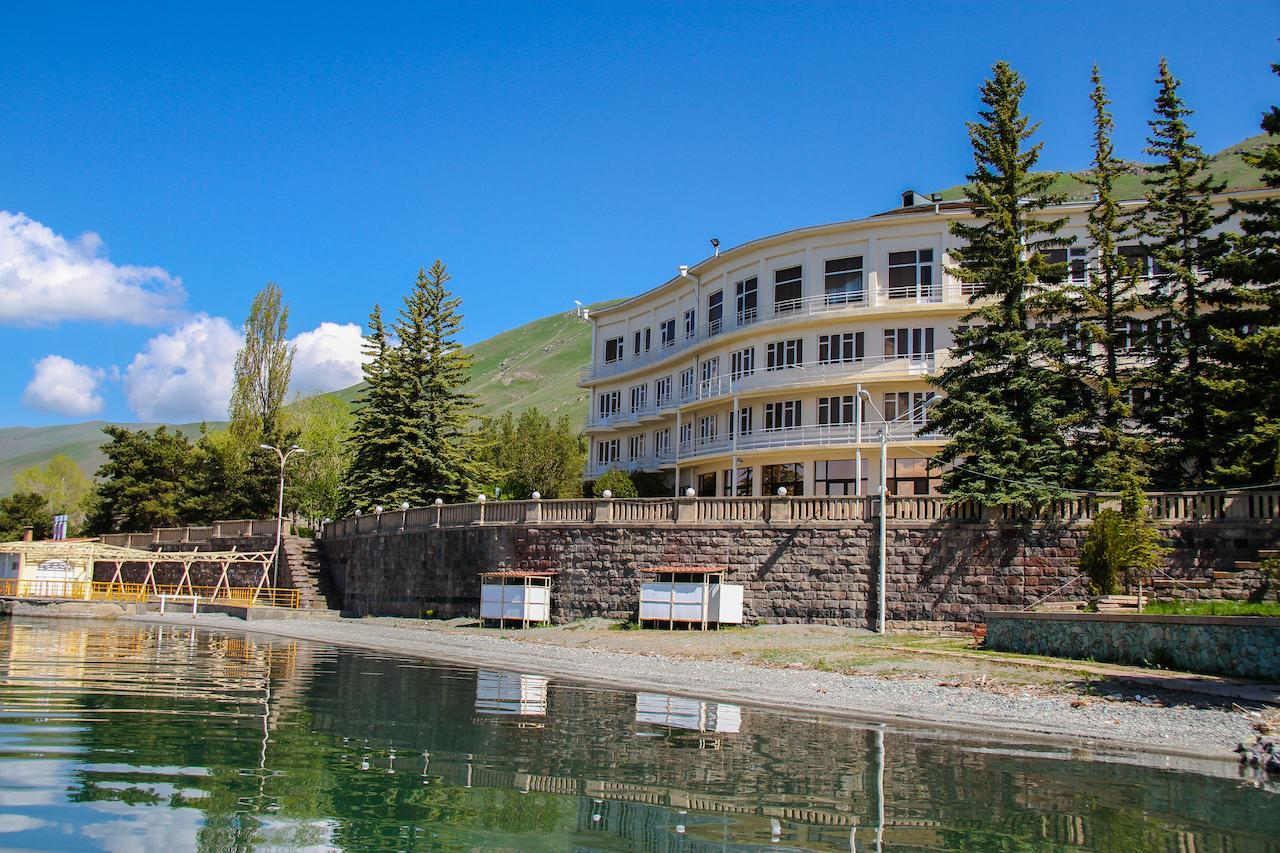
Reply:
x=1166, y=507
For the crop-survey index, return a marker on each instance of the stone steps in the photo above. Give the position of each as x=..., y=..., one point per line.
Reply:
x=305, y=561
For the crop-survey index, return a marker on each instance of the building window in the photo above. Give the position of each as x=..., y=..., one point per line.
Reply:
x=691, y=323
x=662, y=392
x=1076, y=260
x=686, y=385
x=911, y=276
x=707, y=485
x=907, y=477
x=907, y=406
x=786, y=289
x=662, y=442
x=613, y=350
x=607, y=452
x=708, y=429
x=639, y=395
x=742, y=363
x=836, y=410
x=843, y=281
x=1136, y=258
x=747, y=301
x=686, y=435
x=710, y=376
x=743, y=489
x=908, y=343
x=841, y=348
x=743, y=421
x=783, y=354
x=783, y=415
x=835, y=477
x=788, y=475
x=667, y=333
x=715, y=313
x=636, y=349
x=610, y=404
x=635, y=447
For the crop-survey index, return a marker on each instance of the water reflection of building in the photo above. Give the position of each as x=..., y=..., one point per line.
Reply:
x=681, y=712
x=511, y=693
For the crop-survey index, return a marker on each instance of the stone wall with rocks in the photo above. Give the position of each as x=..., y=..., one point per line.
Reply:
x=942, y=573
x=1246, y=647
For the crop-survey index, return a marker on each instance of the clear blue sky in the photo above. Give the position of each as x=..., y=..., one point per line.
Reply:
x=545, y=152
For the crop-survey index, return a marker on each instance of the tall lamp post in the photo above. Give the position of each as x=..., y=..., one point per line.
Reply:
x=284, y=457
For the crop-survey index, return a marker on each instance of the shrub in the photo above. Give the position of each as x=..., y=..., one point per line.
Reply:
x=618, y=482
x=1122, y=546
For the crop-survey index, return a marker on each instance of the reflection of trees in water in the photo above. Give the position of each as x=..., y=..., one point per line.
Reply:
x=305, y=746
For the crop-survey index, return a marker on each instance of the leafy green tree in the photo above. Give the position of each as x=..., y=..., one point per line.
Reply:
x=1105, y=307
x=263, y=366
x=1122, y=546
x=144, y=482
x=1247, y=330
x=60, y=482
x=617, y=482
x=322, y=424
x=375, y=434
x=217, y=480
x=21, y=510
x=1008, y=397
x=1174, y=225
x=437, y=454
x=531, y=454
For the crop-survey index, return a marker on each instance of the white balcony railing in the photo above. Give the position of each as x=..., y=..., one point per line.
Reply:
x=836, y=304
x=827, y=435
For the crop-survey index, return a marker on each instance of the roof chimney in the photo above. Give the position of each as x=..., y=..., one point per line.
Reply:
x=28, y=533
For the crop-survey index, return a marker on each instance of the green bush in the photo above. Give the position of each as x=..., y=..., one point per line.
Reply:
x=618, y=482
x=1122, y=546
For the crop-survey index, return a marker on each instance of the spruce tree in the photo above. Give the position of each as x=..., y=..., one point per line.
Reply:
x=1105, y=305
x=1174, y=225
x=374, y=439
x=1006, y=406
x=1247, y=330
x=437, y=454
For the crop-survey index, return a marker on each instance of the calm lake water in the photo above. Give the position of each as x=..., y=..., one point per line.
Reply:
x=166, y=738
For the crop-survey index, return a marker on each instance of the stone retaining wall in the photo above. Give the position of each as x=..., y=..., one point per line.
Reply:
x=1247, y=647
x=941, y=573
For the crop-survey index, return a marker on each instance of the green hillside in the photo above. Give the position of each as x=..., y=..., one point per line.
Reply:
x=1228, y=165
x=22, y=447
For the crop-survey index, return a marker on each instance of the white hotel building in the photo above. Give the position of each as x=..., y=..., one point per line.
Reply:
x=741, y=374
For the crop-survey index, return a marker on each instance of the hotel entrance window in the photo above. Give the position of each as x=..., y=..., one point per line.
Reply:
x=787, y=474
x=707, y=485
x=744, y=483
x=835, y=477
x=908, y=477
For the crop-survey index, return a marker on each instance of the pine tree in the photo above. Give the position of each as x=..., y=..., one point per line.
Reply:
x=1006, y=406
x=1174, y=225
x=375, y=436
x=1106, y=304
x=1247, y=330
x=437, y=454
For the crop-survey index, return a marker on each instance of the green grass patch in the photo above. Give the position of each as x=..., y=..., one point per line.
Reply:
x=1213, y=608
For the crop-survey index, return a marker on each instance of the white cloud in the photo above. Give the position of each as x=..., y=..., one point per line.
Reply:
x=327, y=358
x=46, y=279
x=186, y=374
x=62, y=387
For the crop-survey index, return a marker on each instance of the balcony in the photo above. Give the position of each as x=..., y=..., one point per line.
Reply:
x=829, y=435
x=835, y=304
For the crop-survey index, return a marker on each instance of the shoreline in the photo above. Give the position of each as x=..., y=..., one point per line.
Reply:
x=1152, y=734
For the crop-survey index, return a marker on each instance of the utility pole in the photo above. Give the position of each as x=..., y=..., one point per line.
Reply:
x=284, y=457
x=884, y=512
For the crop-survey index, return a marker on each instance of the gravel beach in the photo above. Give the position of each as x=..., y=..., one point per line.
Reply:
x=1152, y=726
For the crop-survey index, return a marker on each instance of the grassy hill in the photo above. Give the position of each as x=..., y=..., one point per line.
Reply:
x=1227, y=165
x=536, y=364
x=22, y=447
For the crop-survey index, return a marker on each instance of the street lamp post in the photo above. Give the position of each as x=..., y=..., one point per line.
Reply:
x=284, y=457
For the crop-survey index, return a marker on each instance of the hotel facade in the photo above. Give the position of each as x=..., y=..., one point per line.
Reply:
x=780, y=363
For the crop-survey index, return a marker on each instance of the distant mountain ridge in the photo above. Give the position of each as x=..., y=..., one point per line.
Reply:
x=537, y=364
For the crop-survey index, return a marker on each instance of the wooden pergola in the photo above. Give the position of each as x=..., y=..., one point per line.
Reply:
x=88, y=553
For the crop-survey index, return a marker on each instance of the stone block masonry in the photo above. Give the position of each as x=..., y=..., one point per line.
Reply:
x=939, y=574
x=1246, y=647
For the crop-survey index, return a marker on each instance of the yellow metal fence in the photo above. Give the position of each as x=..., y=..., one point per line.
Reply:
x=111, y=591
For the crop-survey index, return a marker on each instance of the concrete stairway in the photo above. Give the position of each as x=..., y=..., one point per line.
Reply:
x=308, y=573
